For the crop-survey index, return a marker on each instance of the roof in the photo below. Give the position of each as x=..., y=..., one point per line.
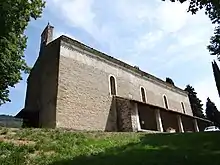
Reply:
x=120, y=63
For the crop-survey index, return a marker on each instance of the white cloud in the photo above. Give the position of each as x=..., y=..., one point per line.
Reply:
x=81, y=14
x=191, y=41
x=134, y=11
x=147, y=41
x=171, y=17
x=147, y=26
x=75, y=13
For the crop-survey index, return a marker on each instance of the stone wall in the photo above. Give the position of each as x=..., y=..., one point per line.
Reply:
x=42, y=86
x=129, y=83
x=124, y=115
x=111, y=124
x=84, y=100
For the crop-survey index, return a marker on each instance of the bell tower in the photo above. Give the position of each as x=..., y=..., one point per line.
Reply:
x=46, y=36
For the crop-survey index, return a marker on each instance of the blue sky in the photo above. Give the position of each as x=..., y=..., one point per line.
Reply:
x=159, y=37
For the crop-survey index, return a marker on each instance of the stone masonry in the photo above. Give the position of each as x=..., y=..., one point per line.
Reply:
x=69, y=86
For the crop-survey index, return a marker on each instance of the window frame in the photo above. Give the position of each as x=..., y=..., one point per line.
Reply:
x=183, y=107
x=110, y=87
x=145, y=94
x=164, y=103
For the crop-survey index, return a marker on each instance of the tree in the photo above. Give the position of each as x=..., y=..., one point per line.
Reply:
x=216, y=73
x=212, y=113
x=212, y=9
x=195, y=102
x=170, y=81
x=14, y=18
x=214, y=47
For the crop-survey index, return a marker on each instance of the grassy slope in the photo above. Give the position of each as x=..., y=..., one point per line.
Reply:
x=53, y=147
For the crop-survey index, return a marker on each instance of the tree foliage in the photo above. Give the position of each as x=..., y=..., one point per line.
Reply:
x=214, y=47
x=170, y=81
x=14, y=18
x=212, y=9
x=216, y=73
x=212, y=113
x=195, y=102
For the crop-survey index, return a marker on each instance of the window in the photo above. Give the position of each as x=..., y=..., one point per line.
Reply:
x=183, y=107
x=143, y=96
x=112, y=85
x=165, y=102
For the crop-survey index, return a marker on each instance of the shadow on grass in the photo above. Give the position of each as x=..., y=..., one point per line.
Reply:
x=175, y=149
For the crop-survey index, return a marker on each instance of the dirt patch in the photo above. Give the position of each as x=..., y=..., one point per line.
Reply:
x=12, y=132
x=6, y=131
x=37, y=153
x=49, y=153
x=3, y=138
x=33, y=155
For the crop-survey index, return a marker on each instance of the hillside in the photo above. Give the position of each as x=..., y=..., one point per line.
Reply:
x=10, y=121
x=56, y=147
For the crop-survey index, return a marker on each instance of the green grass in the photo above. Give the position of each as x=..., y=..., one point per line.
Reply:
x=57, y=147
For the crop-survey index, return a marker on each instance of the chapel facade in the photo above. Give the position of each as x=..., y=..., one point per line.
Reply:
x=77, y=87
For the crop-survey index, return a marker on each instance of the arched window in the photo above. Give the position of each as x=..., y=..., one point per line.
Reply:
x=183, y=107
x=112, y=85
x=165, y=102
x=143, y=96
